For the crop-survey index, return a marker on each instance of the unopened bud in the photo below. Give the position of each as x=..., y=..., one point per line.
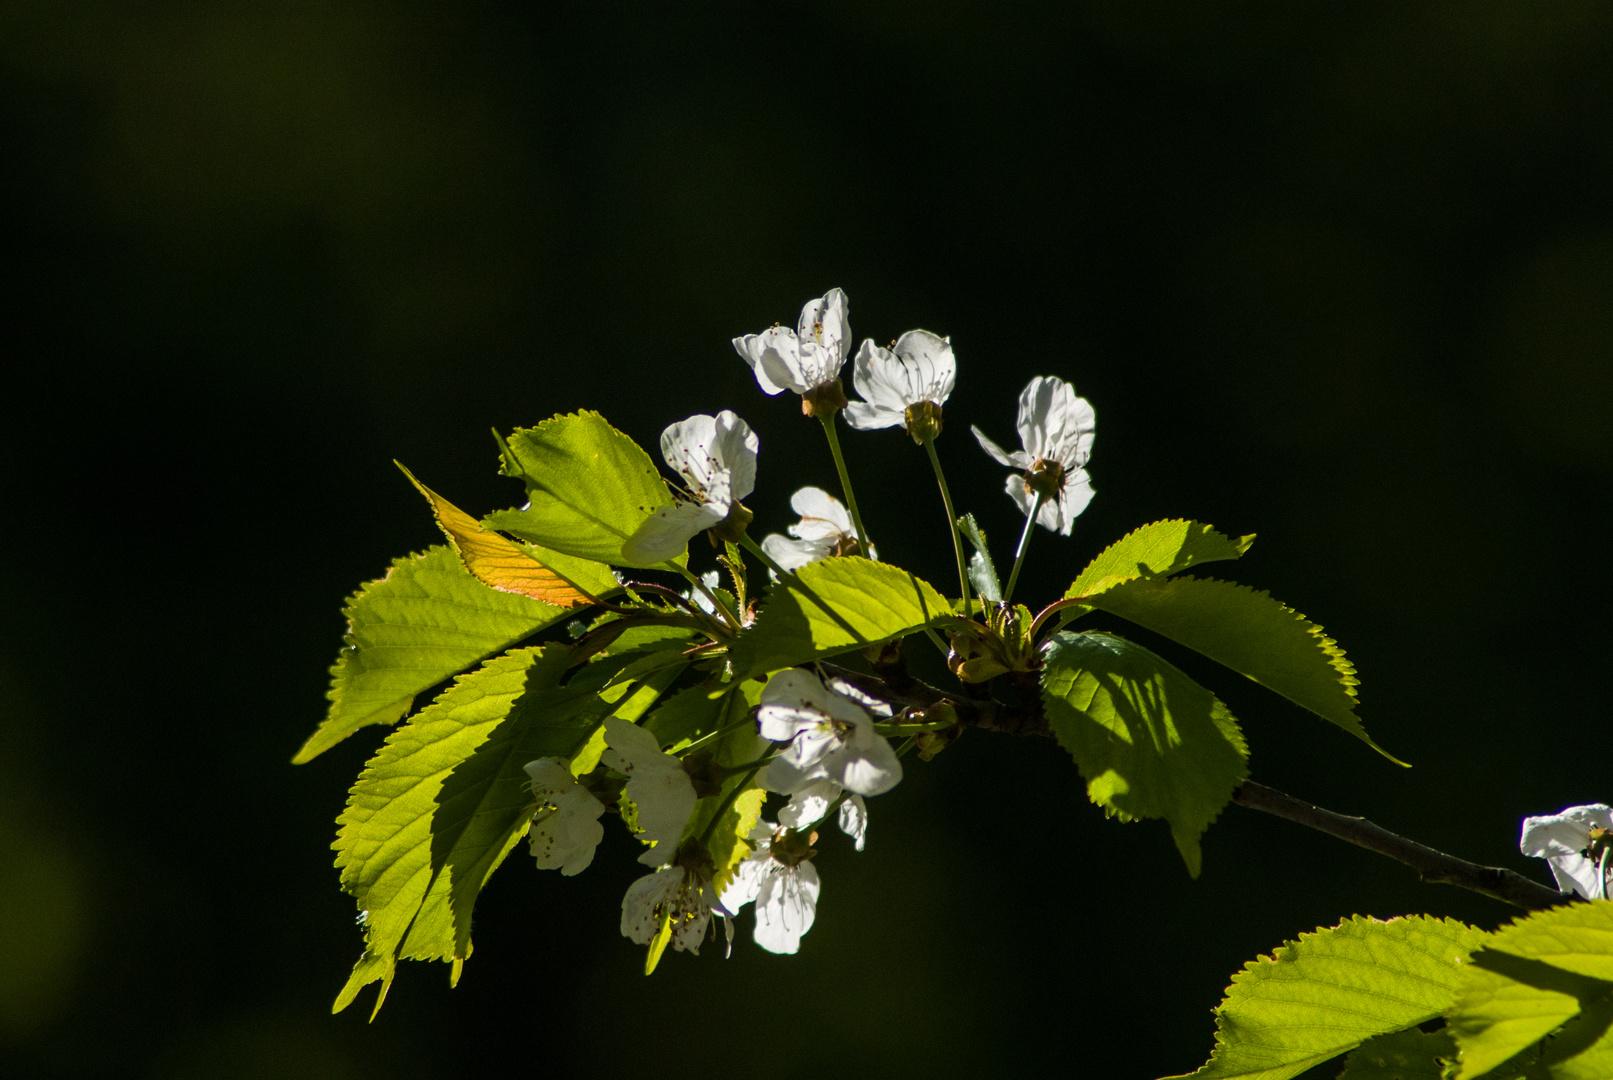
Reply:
x=923, y=421
x=824, y=400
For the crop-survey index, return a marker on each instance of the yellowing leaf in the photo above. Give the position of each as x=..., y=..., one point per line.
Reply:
x=504, y=565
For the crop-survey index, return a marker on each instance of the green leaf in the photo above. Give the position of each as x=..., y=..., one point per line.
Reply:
x=1553, y=968
x=1402, y=1055
x=833, y=606
x=1250, y=633
x=426, y=620
x=1157, y=550
x=1326, y=993
x=982, y=571
x=590, y=487
x=1150, y=742
x=442, y=803
x=690, y=714
x=737, y=808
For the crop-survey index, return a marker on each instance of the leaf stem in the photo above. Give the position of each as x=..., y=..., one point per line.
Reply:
x=952, y=525
x=935, y=639
x=1024, y=542
x=845, y=479
x=711, y=594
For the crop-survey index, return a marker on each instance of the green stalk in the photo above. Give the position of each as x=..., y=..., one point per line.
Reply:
x=1024, y=542
x=711, y=594
x=952, y=526
x=767, y=560
x=845, y=479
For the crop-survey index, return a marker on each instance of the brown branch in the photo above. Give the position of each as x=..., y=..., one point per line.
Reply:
x=1431, y=865
x=988, y=714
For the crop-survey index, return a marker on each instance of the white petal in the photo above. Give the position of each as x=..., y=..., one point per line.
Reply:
x=809, y=804
x=866, y=764
x=865, y=417
x=1074, y=498
x=551, y=776
x=822, y=515
x=854, y=820
x=734, y=449
x=826, y=322
x=786, y=908
x=859, y=700
x=639, y=920
x=793, y=554
x=754, y=348
x=746, y=882
x=881, y=378
x=1017, y=460
x=565, y=837
x=930, y=370
x=784, y=777
x=666, y=533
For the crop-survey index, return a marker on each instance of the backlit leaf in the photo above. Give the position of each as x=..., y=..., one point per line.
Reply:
x=982, y=571
x=1402, y=1055
x=426, y=620
x=1150, y=742
x=832, y=606
x=1157, y=550
x=1250, y=633
x=1331, y=990
x=527, y=570
x=589, y=487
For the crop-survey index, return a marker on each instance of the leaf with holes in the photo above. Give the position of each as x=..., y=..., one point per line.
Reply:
x=1150, y=742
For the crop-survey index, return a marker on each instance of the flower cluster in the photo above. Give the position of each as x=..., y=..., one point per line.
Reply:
x=822, y=746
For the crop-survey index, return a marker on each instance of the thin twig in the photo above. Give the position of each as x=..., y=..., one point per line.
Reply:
x=1431, y=865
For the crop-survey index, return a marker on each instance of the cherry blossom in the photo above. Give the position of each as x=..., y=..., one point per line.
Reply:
x=657, y=784
x=566, y=829
x=803, y=360
x=906, y=384
x=1056, y=431
x=810, y=804
x=1565, y=841
x=824, y=530
x=716, y=456
x=829, y=734
x=779, y=876
x=672, y=892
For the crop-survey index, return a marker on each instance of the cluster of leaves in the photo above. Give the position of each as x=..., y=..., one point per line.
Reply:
x=498, y=610
x=1428, y=999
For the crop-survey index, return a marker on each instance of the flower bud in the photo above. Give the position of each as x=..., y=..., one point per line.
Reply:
x=923, y=421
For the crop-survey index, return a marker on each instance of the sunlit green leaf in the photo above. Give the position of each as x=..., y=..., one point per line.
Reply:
x=1250, y=633
x=833, y=606
x=426, y=620
x=1548, y=969
x=1402, y=1055
x=1150, y=742
x=1326, y=993
x=1157, y=550
x=437, y=809
x=589, y=487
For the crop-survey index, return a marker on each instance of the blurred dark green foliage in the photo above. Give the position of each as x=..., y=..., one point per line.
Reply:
x=1341, y=275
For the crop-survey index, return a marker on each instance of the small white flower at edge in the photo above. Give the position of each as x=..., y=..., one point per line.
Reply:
x=824, y=530
x=830, y=735
x=673, y=892
x=809, y=804
x=785, y=889
x=1056, y=429
x=918, y=368
x=566, y=829
x=1562, y=840
x=716, y=456
x=803, y=360
x=710, y=579
x=657, y=783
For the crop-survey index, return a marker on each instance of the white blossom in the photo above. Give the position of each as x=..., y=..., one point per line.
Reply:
x=1563, y=840
x=700, y=598
x=918, y=368
x=672, y=891
x=566, y=829
x=825, y=529
x=784, y=886
x=716, y=456
x=805, y=359
x=1056, y=431
x=829, y=735
x=809, y=804
x=657, y=785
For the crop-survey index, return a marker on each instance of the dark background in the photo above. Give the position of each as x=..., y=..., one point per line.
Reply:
x=1341, y=275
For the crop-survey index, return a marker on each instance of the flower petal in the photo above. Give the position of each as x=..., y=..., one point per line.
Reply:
x=854, y=820
x=765, y=354
x=786, y=908
x=793, y=554
x=734, y=449
x=809, y=804
x=1017, y=460
x=866, y=417
x=666, y=533
x=929, y=370
x=823, y=516
x=826, y=323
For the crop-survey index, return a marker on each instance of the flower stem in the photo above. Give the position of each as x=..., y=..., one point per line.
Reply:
x=935, y=639
x=711, y=594
x=845, y=480
x=952, y=526
x=1024, y=542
